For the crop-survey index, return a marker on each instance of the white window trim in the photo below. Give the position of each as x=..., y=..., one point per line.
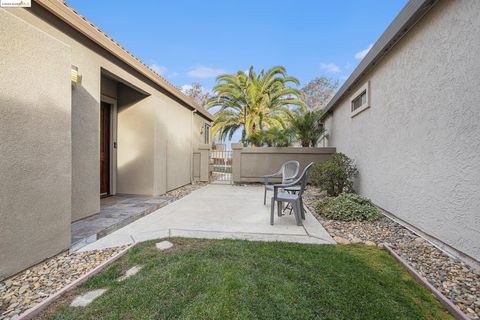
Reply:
x=366, y=88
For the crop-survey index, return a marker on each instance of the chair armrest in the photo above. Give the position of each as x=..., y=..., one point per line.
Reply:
x=286, y=185
x=276, y=174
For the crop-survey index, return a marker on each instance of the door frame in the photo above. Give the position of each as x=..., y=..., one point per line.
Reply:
x=113, y=142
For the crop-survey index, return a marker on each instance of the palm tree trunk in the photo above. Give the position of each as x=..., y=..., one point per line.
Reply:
x=244, y=132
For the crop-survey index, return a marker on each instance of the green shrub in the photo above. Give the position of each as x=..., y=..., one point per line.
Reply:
x=347, y=207
x=273, y=137
x=334, y=176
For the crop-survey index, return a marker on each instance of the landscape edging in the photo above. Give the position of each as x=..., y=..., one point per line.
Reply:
x=37, y=309
x=449, y=305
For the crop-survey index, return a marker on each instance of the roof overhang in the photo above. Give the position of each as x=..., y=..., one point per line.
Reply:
x=82, y=25
x=413, y=12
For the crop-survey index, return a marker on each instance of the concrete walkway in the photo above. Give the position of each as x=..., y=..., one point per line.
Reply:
x=217, y=212
x=115, y=212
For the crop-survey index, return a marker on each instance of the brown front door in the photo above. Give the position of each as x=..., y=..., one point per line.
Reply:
x=105, y=149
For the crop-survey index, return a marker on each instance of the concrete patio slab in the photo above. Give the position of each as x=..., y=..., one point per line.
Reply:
x=218, y=212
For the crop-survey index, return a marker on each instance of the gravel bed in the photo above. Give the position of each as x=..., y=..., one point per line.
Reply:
x=186, y=190
x=456, y=280
x=28, y=288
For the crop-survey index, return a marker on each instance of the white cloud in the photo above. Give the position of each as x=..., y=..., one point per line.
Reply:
x=205, y=72
x=330, y=67
x=361, y=54
x=158, y=68
x=186, y=87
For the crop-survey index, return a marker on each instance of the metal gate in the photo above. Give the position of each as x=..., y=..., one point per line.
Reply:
x=221, y=161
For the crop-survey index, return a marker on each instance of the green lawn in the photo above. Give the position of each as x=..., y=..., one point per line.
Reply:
x=228, y=279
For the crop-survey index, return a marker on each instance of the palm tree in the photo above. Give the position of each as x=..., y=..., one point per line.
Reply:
x=273, y=137
x=253, y=102
x=307, y=127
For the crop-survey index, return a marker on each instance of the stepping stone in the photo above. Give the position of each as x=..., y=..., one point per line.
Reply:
x=130, y=272
x=164, y=245
x=87, y=298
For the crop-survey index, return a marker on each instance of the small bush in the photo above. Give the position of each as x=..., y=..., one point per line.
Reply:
x=348, y=207
x=334, y=176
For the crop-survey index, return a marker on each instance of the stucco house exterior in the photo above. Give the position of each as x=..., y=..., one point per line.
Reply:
x=410, y=117
x=72, y=98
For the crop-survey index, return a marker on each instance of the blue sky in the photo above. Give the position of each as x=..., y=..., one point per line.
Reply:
x=194, y=41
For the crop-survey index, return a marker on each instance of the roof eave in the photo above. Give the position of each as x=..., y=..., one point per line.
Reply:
x=82, y=25
x=413, y=12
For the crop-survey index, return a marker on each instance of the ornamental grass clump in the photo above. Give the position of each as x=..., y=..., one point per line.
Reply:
x=347, y=207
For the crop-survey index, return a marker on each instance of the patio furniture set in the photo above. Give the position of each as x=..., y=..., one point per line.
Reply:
x=289, y=191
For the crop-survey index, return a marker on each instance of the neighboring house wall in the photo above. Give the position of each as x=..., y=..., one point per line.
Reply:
x=418, y=146
x=179, y=146
x=201, y=150
x=35, y=147
x=51, y=174
x=169, y=129
x=136, y=143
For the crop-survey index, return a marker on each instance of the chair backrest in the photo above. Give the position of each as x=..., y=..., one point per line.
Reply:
x=290, y=171
x=304, y=178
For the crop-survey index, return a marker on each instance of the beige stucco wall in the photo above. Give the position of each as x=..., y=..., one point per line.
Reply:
x=179, y=147
x=108, y=87
x=251, y=164
x=35, y=147
x=201, y=163
x=135, y=136
x=167, y=128
x=85, y=138
x=418, y=146
x=201, y=151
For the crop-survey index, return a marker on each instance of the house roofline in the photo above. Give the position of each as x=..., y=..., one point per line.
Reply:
x=413, y=12
x=68, y=15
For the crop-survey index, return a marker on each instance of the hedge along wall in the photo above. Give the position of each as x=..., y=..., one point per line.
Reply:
x=251, y=164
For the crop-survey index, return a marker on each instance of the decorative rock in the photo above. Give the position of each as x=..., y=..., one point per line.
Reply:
x=23, y=289
x=87, y=298
x=356, y=240
x=419, y=240
x=341, y=240
x=26, y=289
x=8, y=283
x=130, y=272
x=164, y=245
x=185, y=190
x=370, y=243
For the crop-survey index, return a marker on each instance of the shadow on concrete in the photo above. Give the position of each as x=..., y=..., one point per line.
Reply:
x=116, y=212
